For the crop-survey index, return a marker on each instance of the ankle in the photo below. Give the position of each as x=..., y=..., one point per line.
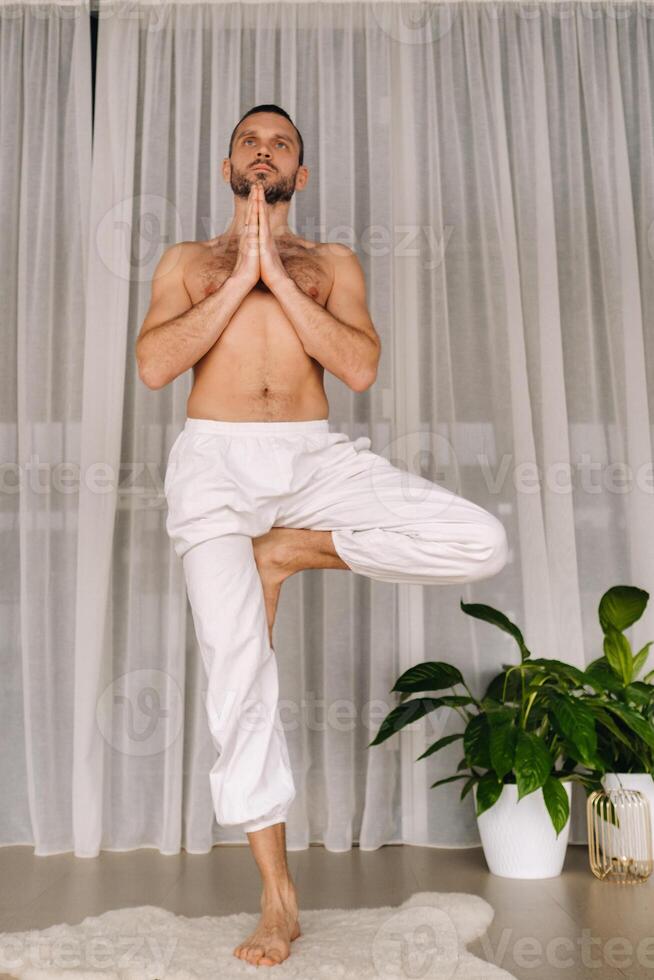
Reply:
x=279, y=892
x=284, y=555
x=275, y=559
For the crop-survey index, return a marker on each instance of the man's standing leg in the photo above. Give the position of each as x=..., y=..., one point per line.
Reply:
x=251, y=781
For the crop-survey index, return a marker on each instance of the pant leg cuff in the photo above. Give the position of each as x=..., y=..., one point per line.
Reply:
x=253, y=825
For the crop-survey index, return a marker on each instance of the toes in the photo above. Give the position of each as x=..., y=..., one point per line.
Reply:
x=270, y=959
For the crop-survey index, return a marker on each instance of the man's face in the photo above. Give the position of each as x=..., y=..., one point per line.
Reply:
x=265, y=138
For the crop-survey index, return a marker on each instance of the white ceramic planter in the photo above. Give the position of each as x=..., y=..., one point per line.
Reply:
x=518, y=838
x=633, y=780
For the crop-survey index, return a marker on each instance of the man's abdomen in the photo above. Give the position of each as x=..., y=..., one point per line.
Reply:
x=239, y=383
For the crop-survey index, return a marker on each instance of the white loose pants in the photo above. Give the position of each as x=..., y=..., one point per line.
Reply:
x=228, y=482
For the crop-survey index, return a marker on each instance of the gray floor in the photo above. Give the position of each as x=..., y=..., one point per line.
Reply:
x=573, y=926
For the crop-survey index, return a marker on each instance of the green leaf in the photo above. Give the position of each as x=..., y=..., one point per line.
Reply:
x=641, y=658
x=491, y=704
x=476, y=739
x=489, y=788
x=441, y=743
x=557, y=803
x=617, y=651
x=502, y=748
x=454, y=699
x=500, y=715
x=640, y=693
x=533, y=763
x=621, y=606
x=633, y=720
x=410, y=711
x=449, y=779
x=596, y=762
x=601, y=678
x=577, y=723
x=495, y=689
x=566, y=671
x=588, y=781
x=431, y=676
x=468, y=786
x=490, y=615
x=604, y=718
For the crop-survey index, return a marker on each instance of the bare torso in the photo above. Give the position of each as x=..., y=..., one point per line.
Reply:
x=258, y=369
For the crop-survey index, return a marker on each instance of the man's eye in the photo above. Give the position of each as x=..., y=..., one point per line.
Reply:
x=249, y=139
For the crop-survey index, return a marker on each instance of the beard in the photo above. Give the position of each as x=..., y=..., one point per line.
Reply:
x=275, y=188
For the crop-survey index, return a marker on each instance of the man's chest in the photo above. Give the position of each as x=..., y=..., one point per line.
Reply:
x=208, y=269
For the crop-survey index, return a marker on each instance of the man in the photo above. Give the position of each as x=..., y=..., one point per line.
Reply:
x=257, y=485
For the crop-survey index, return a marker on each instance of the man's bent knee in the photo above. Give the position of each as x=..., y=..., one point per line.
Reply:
x=493, y=547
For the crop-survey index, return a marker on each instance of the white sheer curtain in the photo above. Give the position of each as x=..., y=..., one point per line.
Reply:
x=491, y=164
x=45, y=170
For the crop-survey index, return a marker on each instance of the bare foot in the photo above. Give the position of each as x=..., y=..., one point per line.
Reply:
x=272, y=560
x=270, y=943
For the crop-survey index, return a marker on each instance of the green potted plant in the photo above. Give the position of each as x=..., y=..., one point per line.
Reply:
x=541, y=725
x=522, y=743
x=622, y=705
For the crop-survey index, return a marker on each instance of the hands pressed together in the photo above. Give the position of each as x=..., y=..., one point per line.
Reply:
x=258, y=257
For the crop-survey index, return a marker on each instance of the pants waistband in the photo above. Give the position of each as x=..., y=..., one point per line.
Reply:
x=223, y=426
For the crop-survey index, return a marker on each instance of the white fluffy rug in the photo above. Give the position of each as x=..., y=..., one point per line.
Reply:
x=423, y=937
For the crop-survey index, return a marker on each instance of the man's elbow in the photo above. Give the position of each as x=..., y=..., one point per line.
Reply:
x=149, y=377
x=151, y=381
x=366, y=378
x=364, y=381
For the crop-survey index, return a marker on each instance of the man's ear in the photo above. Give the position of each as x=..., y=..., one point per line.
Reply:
x=302, y=178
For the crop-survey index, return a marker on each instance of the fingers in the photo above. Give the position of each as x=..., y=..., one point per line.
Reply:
x=252, y=212
x=250, y=234
x=261, y=211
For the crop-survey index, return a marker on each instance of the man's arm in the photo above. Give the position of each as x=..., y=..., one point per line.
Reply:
x=341, y=336
x=175, y=333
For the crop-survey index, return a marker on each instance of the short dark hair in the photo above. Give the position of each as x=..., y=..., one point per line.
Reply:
x=268, y=108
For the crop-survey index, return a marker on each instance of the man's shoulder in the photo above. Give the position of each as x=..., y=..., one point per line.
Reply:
x=337, y=249
x=183, y=254
x=187, y=248
x=180, y=251
x=342, y=260
x=334, y=254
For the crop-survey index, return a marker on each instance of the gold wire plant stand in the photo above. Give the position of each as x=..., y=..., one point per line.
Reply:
x=619, y=835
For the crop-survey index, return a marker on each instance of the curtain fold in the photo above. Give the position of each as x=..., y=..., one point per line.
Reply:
x=491, y=165
x=45, y=157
